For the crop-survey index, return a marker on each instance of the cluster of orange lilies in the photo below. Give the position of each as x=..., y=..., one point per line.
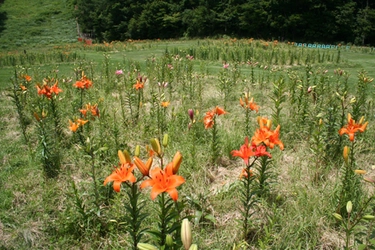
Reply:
x=162, y=180
x=209, y=118
x=264, y=137
x=83, y=83
x=48, y=90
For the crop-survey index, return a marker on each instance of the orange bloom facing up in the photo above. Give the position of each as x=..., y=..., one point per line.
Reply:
x=209, y=118
x=84, y=83
x=165, y=104
x=266, y=136
x=245, y=151
x=351, y=128
x=249, y=104
x=73, y=126
x=27, y=78
x=23, y=88
x=92, y=108
x=163, y=181
x=138, y=85
x=47, y=90
x=120, y=175
x=219, y=111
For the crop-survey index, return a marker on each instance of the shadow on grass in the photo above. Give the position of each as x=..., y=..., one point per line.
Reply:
x=3, y=18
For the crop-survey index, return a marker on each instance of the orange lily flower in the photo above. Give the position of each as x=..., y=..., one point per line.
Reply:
x=138, y=85
x=249, y=104
x=165, y=104
x=261, y=150
x=95, y=110
x=27, y=78
x=83, y=112
x=23, y=88
x=219, y=111
x=245, y=151
x=84, y=83
x=79, y=85
x=163, y=182
x=73, y=126
x=274, y=139
x=266, y=136
x=81, y=122
x=119, y=175
x=351, y=128
x=261, y=136
x=47, y=91
x=208, y=119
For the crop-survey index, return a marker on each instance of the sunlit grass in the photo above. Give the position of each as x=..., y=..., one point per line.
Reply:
x=297, y=213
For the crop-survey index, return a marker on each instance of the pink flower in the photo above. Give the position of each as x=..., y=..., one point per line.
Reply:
x=119, y=72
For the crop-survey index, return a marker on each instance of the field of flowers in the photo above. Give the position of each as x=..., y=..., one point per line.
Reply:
x=204, y=144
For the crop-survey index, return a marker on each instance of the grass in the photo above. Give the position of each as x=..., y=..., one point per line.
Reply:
x=41, y=23
x=36, y=212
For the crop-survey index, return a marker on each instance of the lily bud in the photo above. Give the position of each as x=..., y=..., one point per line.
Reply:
x=191, y=114
x=36, y=116
x=143, y=168
x=121, y=157
x=337, y=216
x=186, y=234
x=145, y=246
x=165, y=140
x=176, y=161
x=124, y=157
x=155, y=144
x=169, y=240
x=361, y=120
x=193, y=247
x=368, y=217
x=345, y=154
x=349, y=207
x=137, y=150
x=359, y=171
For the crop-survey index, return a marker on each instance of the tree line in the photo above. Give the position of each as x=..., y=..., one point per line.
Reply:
x=328, y=21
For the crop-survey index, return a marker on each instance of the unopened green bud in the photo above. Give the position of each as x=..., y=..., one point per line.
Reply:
x=127, y=156
x=368, y=217
x=193, y=247
x=349, y=207
x=155, y=144
x=137, y=150
x=165, y=140
x=169, y=240
x=337, y=216
x=145, y=246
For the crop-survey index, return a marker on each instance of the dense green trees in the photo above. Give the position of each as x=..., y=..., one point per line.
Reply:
x=331, y=21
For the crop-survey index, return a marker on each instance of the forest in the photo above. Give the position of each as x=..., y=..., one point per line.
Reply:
x=328, y=21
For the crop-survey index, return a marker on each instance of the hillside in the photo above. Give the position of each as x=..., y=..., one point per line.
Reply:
x=37, y=22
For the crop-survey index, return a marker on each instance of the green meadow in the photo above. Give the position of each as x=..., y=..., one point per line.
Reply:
x=165, y=122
